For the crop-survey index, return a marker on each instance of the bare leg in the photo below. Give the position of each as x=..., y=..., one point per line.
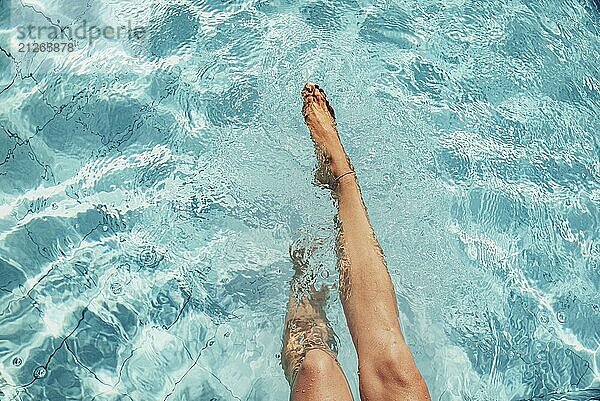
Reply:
x=308, y=361
x=320, y=378
x=386, y=366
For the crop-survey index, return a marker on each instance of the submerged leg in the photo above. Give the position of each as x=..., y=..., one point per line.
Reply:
x=386, y=366
x=308, y=361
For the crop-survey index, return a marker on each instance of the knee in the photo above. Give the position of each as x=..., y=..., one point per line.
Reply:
x=393, y=371
x=316, y=362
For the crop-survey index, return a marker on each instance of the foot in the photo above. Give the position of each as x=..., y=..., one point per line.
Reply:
x=320, y=119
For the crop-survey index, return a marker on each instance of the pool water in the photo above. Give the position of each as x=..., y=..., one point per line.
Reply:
x=151, y=184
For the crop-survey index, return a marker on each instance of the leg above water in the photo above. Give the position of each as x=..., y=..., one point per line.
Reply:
x=386, y=366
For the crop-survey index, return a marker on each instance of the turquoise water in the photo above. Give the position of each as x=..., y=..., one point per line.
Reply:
x=150, y=188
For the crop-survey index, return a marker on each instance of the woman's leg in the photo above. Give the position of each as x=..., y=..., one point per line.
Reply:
x=320, y=378
x=386, y=366
x=308, y=361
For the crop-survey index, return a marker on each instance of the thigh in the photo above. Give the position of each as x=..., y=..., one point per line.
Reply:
x=320, y=378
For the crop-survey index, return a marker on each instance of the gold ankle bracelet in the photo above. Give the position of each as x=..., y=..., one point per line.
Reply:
x=336, y=180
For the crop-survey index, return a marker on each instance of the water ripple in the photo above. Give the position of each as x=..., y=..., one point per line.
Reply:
x=150, y=189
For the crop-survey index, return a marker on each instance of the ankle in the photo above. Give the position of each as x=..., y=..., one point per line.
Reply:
x=340, y=164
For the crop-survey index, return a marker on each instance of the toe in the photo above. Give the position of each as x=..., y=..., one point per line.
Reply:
x=308, y=94
x=309, y=89
x=321, y=99
x=314, y=96
x=318, y=93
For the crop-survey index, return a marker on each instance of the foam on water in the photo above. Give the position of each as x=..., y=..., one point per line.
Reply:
x=150, y=189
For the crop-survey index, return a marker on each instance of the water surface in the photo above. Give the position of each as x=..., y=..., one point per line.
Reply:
x=150, y=188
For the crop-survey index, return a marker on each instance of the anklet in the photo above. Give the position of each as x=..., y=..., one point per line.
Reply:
x=336, y=180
